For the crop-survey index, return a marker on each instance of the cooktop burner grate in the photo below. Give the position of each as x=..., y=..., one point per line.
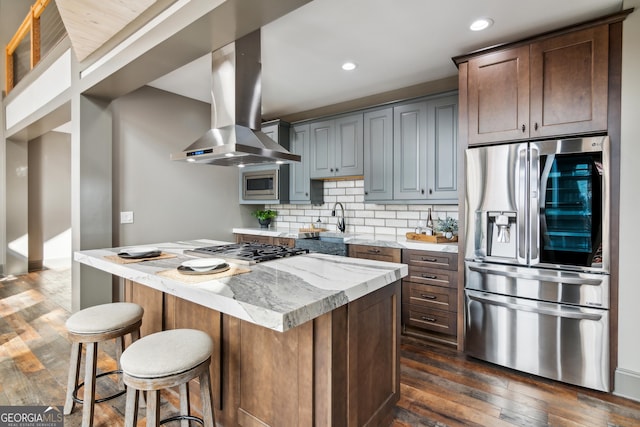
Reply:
x=255, y=252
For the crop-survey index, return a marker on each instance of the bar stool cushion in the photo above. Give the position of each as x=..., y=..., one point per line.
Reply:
x=104, y=318
x=166, y=353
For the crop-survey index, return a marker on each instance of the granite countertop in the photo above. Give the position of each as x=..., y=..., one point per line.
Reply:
x=382, y=240
x=279, y=294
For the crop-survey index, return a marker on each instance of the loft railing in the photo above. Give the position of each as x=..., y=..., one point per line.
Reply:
x=41, y=38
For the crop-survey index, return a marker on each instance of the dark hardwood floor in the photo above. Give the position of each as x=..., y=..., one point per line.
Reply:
x=439, y=386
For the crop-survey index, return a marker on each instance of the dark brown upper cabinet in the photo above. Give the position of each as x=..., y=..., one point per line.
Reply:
x=552, y=87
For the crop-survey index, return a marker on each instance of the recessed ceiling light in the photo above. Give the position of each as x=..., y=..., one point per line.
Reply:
x=481, y=24
x=348, y=66
x=240, y=165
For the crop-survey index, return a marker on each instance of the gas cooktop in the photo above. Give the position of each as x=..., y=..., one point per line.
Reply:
x=248, y=252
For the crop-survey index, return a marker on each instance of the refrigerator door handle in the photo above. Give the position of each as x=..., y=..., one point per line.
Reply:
x=567, y=278
x=522, y=197
x=535, y=209
x=540, y=308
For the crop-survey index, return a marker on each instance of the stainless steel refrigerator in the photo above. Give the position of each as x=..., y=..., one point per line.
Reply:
x=537, y=258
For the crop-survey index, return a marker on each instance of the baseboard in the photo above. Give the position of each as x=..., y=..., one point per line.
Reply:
x=627, y=384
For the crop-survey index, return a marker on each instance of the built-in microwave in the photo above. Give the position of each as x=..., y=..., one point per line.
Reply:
x=265, y=185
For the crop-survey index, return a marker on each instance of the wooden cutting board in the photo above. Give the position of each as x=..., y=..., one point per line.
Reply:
x=430, y=239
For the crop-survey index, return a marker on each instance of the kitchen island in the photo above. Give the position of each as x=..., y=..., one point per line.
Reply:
x=300, y=341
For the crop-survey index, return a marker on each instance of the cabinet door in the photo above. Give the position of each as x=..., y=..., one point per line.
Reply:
x=378, y=155
x=299, y=186
x=271, y=131
x=410, y=151
x=348, y=146
x=322, y=157
x=569, y=78
x=498, y=90
x=442, y=149
x=375, y=252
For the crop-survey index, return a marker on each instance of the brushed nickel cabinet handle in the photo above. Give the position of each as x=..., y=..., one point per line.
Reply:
x=429, y=259
x=524, y=128
x=429, y=276
x=374, y=251
x=425, y=296
x=428, y=319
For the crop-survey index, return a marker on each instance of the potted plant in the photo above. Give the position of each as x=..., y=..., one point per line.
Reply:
x=264, y=216
x=448, y=226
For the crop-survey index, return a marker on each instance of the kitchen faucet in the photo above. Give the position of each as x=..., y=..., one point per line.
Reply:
x=341, y=224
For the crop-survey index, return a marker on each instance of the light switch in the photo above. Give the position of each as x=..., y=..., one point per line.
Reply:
x=126, y=217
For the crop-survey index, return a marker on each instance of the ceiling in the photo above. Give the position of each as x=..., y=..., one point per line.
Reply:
x=395, y=44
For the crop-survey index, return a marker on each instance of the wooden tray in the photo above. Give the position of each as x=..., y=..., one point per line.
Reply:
x=312, y=230
x=430, y=239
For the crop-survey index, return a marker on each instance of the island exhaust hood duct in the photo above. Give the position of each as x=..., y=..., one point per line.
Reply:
x=235, y=138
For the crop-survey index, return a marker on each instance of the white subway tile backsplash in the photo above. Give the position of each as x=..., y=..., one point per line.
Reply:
x=408, y=215
x=393, y=220
x=396, y=223
x=385, y=214
x=375, y=222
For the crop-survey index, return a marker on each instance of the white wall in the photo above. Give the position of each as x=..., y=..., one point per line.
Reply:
x=50, y=200
x=628, y=373
x=170, y=200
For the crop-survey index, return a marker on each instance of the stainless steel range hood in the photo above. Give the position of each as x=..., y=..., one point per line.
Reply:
x=235, y=138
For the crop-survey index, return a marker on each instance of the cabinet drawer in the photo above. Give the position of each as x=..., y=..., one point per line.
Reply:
x=430, y=319
x=375, y=252
x=432, y=276
x=432, y=259
x=427, y=296
x=252, y=238
x=284, y=241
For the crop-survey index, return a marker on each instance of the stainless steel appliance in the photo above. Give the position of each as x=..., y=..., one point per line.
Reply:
x=537, y=258
x=248, y=253
x=235, y=138
x=264, y=185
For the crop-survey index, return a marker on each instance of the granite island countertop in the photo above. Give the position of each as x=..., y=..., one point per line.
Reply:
x=279, y=294
x=381, y=240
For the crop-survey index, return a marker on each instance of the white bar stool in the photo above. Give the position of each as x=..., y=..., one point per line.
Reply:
x=89, y=327
x=168, y=359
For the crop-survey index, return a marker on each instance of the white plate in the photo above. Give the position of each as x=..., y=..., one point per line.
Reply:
x=203, y=264
x=138, y=250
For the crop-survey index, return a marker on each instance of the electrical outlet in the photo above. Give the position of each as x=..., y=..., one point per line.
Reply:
x=126, y=217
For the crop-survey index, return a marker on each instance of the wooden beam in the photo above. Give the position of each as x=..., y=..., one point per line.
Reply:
x=8, y=79
x=35, y=40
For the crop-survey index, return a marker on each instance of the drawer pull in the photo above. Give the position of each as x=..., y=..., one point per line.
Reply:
x=425, y=296
x=429, y=276
x=374, y=251
x=429, y=259
x=428, y=319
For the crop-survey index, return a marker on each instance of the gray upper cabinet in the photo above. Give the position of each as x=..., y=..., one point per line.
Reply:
x=378, y=155
x=410, y=151
x=336, y=147
x=442, y=149
x=299, y=185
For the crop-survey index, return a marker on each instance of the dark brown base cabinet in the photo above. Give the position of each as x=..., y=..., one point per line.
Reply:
x=430, y=295
x=377, y=253
x=267, y=240
x=340, y=369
